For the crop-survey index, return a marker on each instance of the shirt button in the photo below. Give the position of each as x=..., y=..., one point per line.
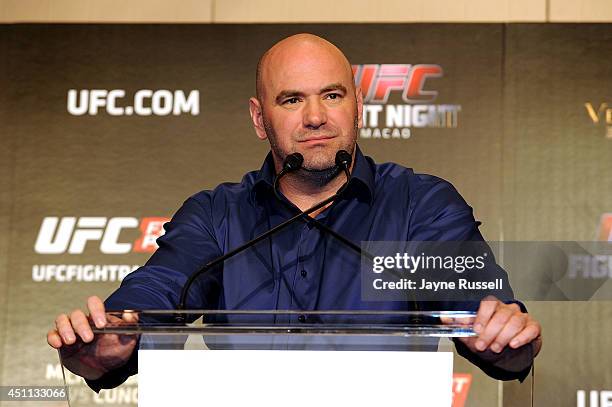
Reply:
x=303, y=273
x=302, y=318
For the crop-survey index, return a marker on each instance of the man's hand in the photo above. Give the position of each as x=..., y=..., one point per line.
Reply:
x=499, y=325
x=83, y=353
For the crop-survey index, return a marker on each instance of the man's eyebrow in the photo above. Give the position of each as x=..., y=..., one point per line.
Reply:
x=286, y=94
x=293, y=93
x=334, y=86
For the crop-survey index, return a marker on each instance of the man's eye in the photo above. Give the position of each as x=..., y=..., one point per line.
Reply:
x=291, y=101
x=333, y=96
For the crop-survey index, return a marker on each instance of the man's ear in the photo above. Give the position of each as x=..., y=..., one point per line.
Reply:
x=257, y=118
x=359, y=99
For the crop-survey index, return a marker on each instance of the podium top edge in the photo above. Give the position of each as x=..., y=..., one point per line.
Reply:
x=434, y=314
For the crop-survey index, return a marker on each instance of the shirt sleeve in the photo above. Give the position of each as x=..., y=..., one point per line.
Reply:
x=439, y=213
x=188, y=244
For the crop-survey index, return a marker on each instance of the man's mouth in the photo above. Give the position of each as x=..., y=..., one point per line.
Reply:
x=316, y=139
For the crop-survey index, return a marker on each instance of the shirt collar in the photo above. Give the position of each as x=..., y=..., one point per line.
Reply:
x=361, y=184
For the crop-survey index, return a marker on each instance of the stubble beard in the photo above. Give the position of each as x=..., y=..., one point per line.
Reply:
x=321, y=170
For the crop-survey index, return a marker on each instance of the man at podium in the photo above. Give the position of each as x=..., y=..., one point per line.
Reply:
x=306, y=102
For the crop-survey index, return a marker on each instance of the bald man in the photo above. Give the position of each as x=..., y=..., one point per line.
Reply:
x=306, y=102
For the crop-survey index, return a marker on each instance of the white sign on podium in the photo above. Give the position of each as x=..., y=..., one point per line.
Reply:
x=270, y=378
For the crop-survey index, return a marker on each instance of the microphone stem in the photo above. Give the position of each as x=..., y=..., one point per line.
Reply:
x=304, y=216
x=319, y=224
x=218, y=260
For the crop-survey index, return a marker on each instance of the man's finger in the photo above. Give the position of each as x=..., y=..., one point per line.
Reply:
x=130, y=316
x=528, y=334
x=485, y=311
x=97, y=311
x=465, y=320
x=514, y=325
x=80, y=324
x=493, y=328
x=64, y=328
x=54, y=339
x=457, y=320
x=447, y=320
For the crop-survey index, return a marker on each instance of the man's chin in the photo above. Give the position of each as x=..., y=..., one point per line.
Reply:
x=319, y=175
x=319, y=166
x=319, y=169
x=320, y=159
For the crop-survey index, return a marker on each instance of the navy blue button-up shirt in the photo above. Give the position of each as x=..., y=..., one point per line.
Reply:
x=301, y=267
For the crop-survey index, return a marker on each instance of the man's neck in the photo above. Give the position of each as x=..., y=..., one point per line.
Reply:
x=305, y=192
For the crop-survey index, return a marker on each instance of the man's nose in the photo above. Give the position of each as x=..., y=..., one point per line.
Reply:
x=315, y=114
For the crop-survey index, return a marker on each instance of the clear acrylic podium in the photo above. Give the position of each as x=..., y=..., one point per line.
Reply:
x=222, y=358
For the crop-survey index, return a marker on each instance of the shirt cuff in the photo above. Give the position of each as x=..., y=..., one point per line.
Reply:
x=118, y=376
x=510, y=364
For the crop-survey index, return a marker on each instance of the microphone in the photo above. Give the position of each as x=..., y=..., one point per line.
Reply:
x=291, y=165
x=344, y=160
x=293, y=162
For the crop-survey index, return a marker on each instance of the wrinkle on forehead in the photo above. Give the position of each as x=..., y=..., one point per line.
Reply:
x=299, y=47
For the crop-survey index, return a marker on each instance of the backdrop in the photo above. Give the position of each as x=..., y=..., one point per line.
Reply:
x=107, y=129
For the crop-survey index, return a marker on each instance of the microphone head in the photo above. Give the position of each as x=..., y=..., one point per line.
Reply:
x=343, y=159
x=293, y=162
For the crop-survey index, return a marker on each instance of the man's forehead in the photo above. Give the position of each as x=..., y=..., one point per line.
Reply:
x=305, y=70
x=304, y=62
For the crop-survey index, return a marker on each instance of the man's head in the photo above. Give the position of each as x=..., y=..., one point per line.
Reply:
x=306, y=101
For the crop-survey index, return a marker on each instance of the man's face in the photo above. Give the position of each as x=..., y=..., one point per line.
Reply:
x=309, y=105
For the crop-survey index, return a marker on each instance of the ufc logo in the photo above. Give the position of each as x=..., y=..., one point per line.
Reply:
x=378, y=81
x=461, y=386
x=71, y=234
x=605, y=227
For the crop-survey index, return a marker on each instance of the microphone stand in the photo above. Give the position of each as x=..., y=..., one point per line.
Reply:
x=292, y=163
x=316, y=222
x=183, y=298
x=304, y=215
